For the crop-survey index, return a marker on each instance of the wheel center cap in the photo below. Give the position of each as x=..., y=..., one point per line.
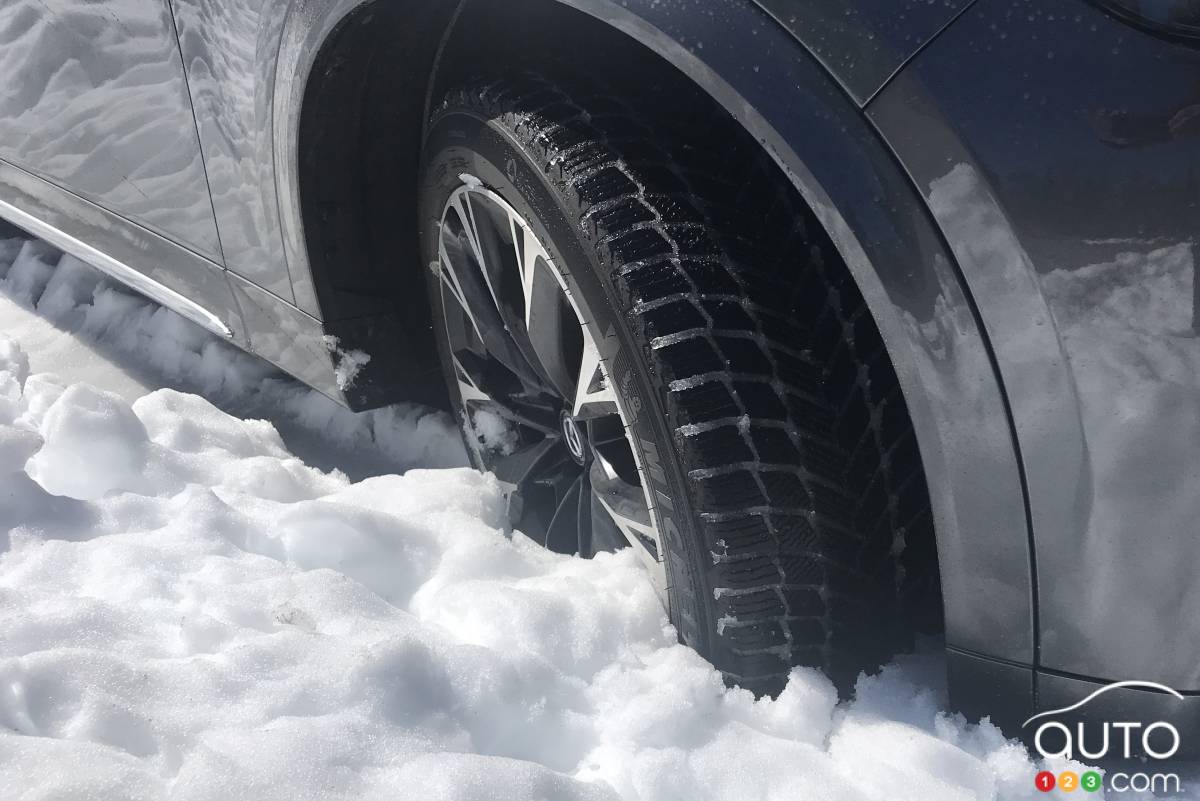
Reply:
x=573, y=437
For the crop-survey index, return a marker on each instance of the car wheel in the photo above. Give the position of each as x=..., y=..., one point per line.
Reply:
x=623, y=361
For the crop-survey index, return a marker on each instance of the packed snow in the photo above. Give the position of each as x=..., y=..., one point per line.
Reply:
x=189, y=610
x=84, y=327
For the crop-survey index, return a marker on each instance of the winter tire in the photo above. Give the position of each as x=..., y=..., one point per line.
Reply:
x=644, y=361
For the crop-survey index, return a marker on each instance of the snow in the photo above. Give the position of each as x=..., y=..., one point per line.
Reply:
x=92, y=330
x=349, y=363
x=92, y=444
x=493, y=431
x=190, y=611
x=470, y=181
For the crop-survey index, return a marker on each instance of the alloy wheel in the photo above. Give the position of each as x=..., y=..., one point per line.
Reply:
x=537, y=405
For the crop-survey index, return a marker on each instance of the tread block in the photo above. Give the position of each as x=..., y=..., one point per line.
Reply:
x=775, y=445
x=807, y=413
x=786, y=490
x=603, y=184
x=704, y=403
x=724, y=445
x=798, y=372
x=680, y=315
x=729, y=491
x=753, y=634
x=761, y=401
x=681, y=360
x=728, y=314
x=638, y=244
x=653, y=280
x=622, y=215
x=744, y=355
x=712, y=277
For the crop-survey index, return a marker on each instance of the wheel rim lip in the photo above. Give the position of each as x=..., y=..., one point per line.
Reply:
x=592, y=461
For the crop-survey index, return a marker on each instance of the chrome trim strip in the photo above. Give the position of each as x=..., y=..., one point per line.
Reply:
x=140, y=282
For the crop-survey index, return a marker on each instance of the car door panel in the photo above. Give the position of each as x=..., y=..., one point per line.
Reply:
x=229, y=49
x=187, y=283
x=94, y=100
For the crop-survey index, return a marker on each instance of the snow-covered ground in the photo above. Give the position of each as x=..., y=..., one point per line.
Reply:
x=199, y=604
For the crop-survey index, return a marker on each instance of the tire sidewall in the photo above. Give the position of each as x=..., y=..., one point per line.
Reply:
x=462, y=142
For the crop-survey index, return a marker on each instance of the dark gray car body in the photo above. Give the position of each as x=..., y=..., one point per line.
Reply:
x=1014, y=186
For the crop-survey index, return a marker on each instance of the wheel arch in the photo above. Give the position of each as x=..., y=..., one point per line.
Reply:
x=821, y=142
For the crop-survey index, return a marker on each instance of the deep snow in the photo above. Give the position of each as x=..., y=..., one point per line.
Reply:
x=188, y=610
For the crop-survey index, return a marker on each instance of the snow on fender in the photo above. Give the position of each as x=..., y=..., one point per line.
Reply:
x=94, y=444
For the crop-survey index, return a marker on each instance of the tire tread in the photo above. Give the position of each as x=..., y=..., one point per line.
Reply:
x=786, y=413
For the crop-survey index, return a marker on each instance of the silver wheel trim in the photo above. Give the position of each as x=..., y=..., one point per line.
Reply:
x=531, y=258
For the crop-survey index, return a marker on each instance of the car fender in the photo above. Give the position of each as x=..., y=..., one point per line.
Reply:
x=817, y=134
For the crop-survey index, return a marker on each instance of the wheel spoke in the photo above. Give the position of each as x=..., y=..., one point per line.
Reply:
x=539, y=417
x=584, y=514
x=467, y=388
x=467, y=284
x=528, y=251
x=549, y=324
x=630, y=516
x=470, y=228
x=562, y=535
x=542, y=422
x=517, y=468
x=604, y=431
x=513, y=299
x=625, y=507
x=593, y=395
x=460, y=278
x=451, y=284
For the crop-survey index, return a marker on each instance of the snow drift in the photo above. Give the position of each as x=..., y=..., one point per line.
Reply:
x=189, y=611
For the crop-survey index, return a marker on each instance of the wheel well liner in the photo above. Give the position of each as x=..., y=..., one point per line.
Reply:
x=357, y=150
